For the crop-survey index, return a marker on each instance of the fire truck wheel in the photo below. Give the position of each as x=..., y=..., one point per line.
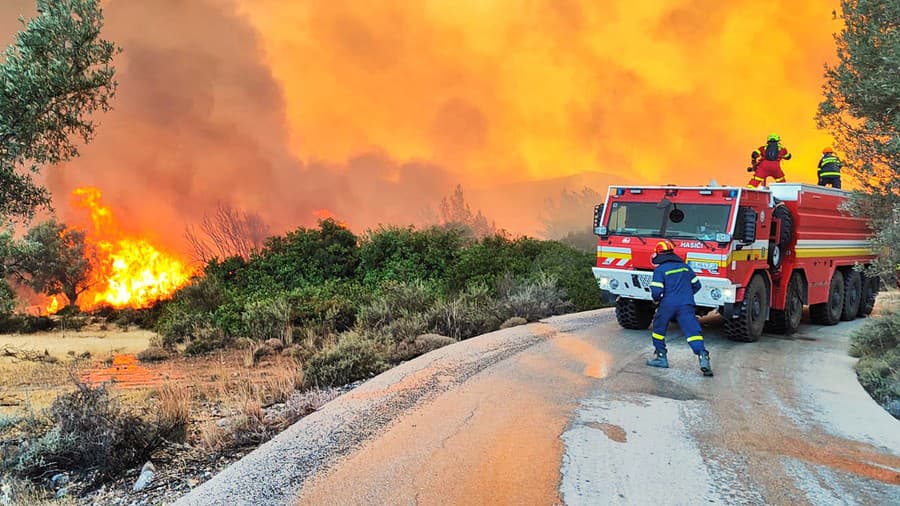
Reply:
x=869, y=291
x=852, y=295
x=634, y=314
x=787, y=321
x=829, y=313
x=750, y=320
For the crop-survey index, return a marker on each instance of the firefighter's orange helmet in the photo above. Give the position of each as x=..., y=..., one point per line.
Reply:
x=663, y=246
x=827, y=150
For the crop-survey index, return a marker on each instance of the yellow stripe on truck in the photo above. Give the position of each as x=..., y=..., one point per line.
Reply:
x=832, y=252
x=607, y=254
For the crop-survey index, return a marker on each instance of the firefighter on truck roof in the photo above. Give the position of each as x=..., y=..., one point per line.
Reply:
x=674, y=285
x=829, y=169
x=767, y=162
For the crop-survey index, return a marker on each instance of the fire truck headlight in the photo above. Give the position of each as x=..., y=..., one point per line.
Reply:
x=604, y=283
x=715, y=294
x=613, y=284
x=728, y=294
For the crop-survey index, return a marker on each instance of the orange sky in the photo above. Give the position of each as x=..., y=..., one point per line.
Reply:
x=376, y=109
x=668, y=90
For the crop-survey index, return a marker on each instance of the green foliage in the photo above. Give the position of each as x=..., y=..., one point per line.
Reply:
x=54, y=259
x=534, y=299
x=268, y=319
x=394, y=285
x=354, y=357
x=330, y=307
x=572, y=270
x=465, y=315
x=877, y=344
x=7, y=298
x=53, y=80
x=308, y=256
x=407, y=254
x=861, y=109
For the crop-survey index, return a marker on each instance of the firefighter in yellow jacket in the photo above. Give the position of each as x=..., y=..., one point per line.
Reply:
x=829, y=169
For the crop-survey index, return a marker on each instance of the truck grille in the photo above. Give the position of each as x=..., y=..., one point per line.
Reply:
x=645, y=280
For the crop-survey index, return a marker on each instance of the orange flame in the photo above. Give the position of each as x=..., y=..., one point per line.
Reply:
x=53, y=306
x=129, y=271
x=324, y=214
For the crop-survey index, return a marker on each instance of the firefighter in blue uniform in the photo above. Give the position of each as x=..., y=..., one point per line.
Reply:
x=674, y=285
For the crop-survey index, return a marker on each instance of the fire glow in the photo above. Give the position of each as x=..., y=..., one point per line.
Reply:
x=129, y=271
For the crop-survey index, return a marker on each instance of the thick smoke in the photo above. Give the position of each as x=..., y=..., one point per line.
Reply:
x=375, y=110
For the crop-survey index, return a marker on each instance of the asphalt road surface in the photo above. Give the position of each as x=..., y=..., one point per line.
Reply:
x=565, y=412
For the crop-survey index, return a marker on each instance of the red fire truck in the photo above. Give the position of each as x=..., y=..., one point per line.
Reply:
x=761, y=254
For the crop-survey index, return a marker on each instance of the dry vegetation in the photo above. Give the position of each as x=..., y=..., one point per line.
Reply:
x=193, y=408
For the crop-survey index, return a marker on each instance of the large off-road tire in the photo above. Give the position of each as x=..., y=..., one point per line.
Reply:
x=782, y=213
x=751, y=313
x=829, y=313
x=787, y=321
x=779, y=246
x=634, y=314
x=852, y=295
x=870, y=286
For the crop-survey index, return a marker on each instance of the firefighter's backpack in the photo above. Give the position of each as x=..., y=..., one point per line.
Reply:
x=772, y=150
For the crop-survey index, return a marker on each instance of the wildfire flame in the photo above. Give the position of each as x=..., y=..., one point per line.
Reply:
x=128, y=271
x=324, y=214
x=53, y=306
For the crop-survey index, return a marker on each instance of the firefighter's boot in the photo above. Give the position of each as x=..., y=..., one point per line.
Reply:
x=660, y=360
x=704, y=363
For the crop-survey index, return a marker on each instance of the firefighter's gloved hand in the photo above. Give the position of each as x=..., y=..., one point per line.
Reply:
x=749, y=169
x=754, y=155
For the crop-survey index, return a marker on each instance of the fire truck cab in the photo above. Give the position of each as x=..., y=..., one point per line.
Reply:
x=760, y=254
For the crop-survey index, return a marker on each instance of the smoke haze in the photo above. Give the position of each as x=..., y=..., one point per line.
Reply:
x=375, y=110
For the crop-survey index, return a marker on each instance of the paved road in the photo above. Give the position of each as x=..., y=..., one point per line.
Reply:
x=565, y=412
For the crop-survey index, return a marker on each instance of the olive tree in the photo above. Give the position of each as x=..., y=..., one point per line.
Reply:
x=53, y=79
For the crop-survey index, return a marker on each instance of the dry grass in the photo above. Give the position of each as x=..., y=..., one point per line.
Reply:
x=97, y=342
x=174, y=407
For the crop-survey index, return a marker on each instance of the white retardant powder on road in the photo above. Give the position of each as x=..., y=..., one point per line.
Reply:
x=635, y=450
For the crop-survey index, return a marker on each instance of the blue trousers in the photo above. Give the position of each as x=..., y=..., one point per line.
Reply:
x=688, y=322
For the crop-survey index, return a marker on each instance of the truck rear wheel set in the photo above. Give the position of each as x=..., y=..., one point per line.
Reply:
x=787, y=321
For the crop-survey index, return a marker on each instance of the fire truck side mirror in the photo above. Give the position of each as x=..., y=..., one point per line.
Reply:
x=598, y=219
x=745, y=229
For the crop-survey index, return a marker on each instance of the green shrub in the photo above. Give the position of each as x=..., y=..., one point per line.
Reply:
x=405, y=254
x=534, y=299
x=306, y=256
x=877, y=344
x=205, y=339
x=410, y=348
x=154, y=354
x=514, y=321
x=395, y=301
x=178, y=323
x=268, y=319
x=32, y=324
x=332, y=306
x=466, y=315
x=572, y=270
x=354, y=357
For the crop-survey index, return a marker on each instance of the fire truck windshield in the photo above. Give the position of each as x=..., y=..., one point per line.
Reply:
x=648, y=219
